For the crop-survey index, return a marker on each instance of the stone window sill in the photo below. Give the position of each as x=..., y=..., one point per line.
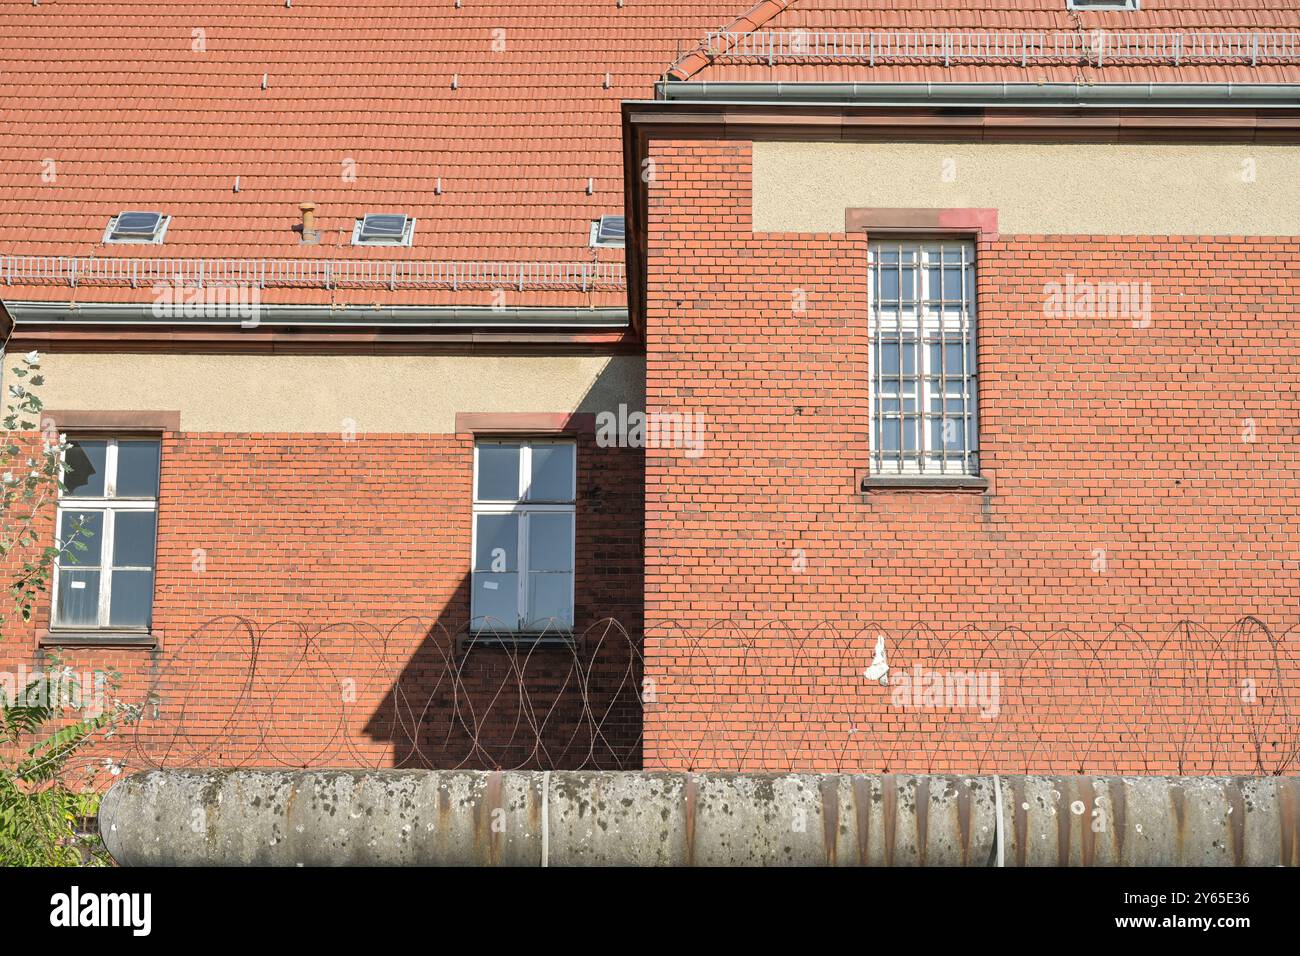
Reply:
x=95, y=638
x=873, y=483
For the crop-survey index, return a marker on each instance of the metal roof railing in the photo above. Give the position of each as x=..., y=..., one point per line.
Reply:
x=313, y=273
x=1023, y=47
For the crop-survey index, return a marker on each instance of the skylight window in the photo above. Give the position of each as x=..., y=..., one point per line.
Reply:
x=1101, y=4
x=383, y=229
x=609, y=232
x=147, y=227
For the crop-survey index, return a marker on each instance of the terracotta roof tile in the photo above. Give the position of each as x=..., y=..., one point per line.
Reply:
x=134, y=112
x=1045, y=16
x=106, y=106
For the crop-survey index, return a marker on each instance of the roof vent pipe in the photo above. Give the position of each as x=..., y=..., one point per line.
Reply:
x=307, y=227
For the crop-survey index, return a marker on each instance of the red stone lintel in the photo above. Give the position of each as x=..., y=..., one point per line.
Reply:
x=521, y=423
x=981, y=222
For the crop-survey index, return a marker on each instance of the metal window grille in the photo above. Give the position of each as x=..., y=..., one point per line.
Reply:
x=922, y=358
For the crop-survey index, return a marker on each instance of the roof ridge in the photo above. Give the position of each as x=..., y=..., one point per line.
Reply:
x=761, y=14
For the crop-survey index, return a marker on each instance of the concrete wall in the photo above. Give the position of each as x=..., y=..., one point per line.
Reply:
x=316, y=393
x=1058, y=188
x=237, y=818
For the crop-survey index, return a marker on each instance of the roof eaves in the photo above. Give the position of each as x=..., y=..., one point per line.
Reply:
x=319, y=316
x=943, y=95
x=755, y=19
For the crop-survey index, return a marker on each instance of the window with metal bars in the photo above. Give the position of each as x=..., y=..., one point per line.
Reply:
x=922, y=365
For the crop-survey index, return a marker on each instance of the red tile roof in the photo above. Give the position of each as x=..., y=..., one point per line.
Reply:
x=160, y=106
x=1044, y=16
x=107, y=106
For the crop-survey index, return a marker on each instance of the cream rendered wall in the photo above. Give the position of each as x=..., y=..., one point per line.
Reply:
x=1059, y=188
x=317, y=393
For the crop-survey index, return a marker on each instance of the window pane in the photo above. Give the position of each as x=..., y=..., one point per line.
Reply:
x=891, y=354
x=137, y=469
x=495, y=601
x=550, y=601
x=78, y=598
x=84, y=475
x=945, y=283
x=132, y=599
x=550, y=542
x=497, y=543
x=133, y=538
x=893, y=280
x=889, y=428
x=498, y=472
x=951, y=357
x=887, y=358
x=81, y=537
x=948, y=434
x=552, y=473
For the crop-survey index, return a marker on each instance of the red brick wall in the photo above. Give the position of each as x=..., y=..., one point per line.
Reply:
x=310, y=592
x=769, y=576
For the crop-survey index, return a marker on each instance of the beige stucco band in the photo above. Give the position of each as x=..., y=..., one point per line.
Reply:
x=324, y=393
x=1038, y=189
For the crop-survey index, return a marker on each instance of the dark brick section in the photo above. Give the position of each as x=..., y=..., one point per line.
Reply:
x=312, y=604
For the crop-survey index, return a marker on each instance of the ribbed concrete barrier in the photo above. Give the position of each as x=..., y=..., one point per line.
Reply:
x=530, y=818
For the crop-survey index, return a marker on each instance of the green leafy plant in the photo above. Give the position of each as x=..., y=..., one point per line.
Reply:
x=30, y=480
x=40, y=813
x=46, y=723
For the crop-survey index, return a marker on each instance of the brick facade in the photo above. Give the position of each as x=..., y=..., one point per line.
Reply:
x=1129, y=574
x=1126, y=578
x=312, y=601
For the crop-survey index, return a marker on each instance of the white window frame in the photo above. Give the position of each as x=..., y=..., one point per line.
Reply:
x=110, y=504
x=160, y=233
x=926, y=326
x=595, y=242
x=408, y=232
x=1104, y=5
x=525, y=507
